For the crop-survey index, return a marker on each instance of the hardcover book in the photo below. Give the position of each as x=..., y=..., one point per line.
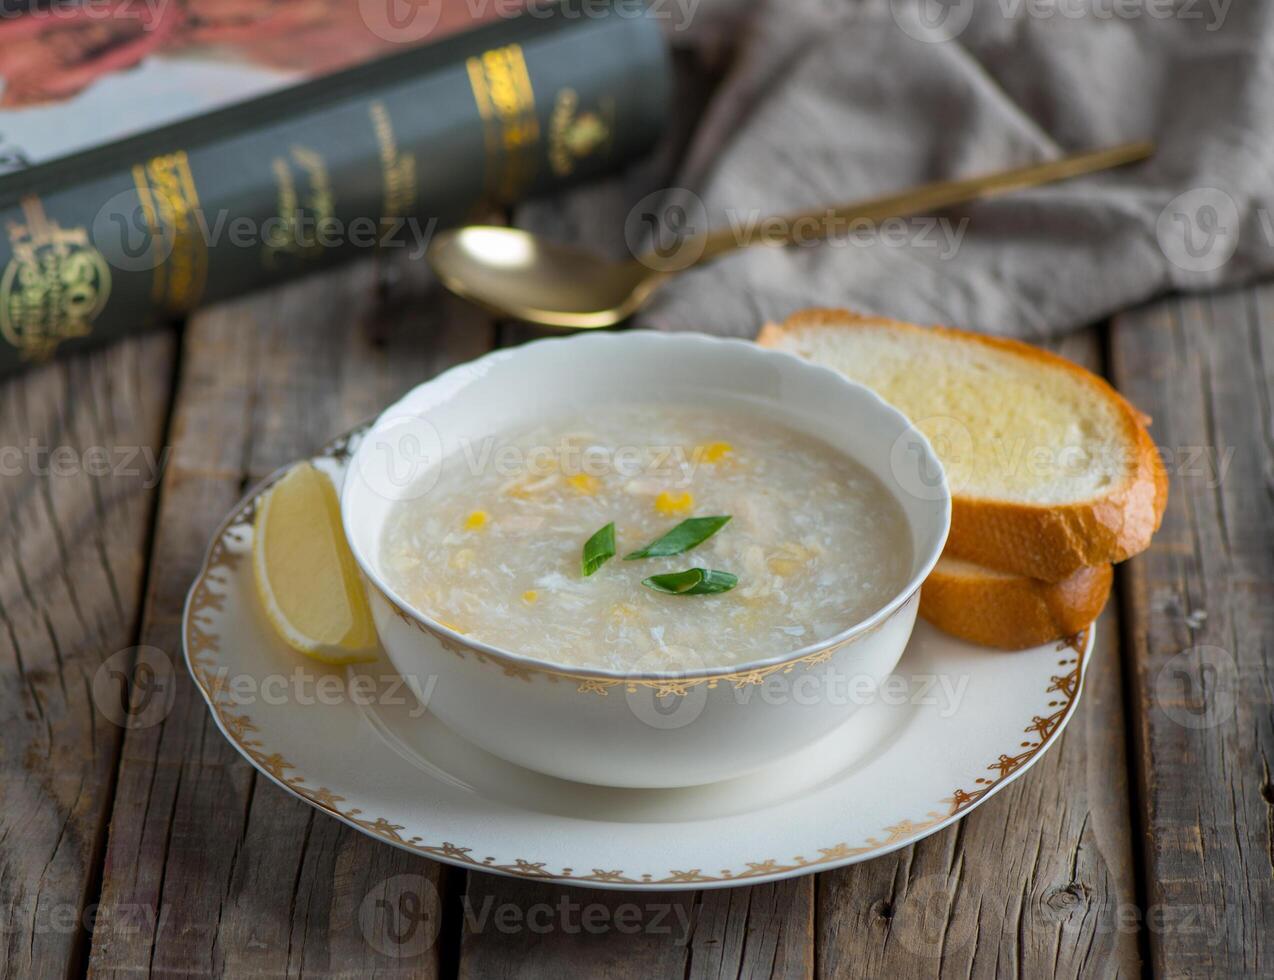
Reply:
x=130, y=230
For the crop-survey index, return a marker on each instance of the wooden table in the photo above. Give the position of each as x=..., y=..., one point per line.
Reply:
x=1144, y=840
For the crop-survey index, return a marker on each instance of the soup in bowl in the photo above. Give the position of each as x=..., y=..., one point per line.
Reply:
x=592, y=556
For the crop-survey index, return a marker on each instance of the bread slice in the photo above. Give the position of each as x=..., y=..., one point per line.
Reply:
x=1012, y=612
x=1051, y=470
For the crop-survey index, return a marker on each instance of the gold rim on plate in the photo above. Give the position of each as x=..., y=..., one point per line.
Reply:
x=203, y=643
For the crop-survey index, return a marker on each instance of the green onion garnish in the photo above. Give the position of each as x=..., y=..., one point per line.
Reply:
x=598, y=550
x=688, y=534
x=693, y=581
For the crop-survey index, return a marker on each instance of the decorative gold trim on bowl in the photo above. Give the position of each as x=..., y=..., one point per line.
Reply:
x=594, y=684
x=203, y=643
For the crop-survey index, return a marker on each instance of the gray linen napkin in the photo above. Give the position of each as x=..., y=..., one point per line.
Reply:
x=832, y=101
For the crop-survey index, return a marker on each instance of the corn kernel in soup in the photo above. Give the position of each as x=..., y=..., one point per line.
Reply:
x=493, y=549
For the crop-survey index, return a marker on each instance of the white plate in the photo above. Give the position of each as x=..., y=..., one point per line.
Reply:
x=962, y=723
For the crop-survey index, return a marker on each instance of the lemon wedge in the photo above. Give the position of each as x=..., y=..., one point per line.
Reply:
x=306, y=577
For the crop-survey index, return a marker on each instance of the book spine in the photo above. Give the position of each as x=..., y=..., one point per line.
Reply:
x=119, y=238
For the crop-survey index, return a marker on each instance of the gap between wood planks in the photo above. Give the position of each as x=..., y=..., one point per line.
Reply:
x=83, y=945
x=71, y=578
x=1200, y=607
x=247, y=878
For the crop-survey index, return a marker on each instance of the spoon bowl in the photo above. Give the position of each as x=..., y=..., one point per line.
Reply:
x=514, y=273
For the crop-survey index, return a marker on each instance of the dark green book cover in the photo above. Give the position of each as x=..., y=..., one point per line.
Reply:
x=114, y=239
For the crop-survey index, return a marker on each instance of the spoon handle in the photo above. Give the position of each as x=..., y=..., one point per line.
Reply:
x=817, y=223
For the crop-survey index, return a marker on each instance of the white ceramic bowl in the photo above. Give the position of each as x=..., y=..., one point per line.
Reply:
x=639, y=729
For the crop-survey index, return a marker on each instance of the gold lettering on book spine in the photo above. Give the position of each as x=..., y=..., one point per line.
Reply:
x=170, y=202
x=575, y=133
x=306, y=221
x=54, y=285
x=511, y=129
x=398, y=169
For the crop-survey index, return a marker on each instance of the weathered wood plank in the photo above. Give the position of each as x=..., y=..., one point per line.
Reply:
x=237, y=877
x=1199, y=617
x=524, y=929
x=81, y=443
x=1037, y=882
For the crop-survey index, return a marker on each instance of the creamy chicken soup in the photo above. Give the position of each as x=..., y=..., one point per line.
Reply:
x=496, y=548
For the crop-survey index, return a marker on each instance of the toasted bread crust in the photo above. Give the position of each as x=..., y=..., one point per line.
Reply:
x=1042, y=541
x=1013, y=612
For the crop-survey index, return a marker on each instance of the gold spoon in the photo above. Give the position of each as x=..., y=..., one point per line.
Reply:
x=513, y=273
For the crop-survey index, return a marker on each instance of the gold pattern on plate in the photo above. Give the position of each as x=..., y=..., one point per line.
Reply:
x=203, y=644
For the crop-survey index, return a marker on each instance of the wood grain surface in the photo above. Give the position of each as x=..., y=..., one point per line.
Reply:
x=81, y=445
x=1200, y=604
